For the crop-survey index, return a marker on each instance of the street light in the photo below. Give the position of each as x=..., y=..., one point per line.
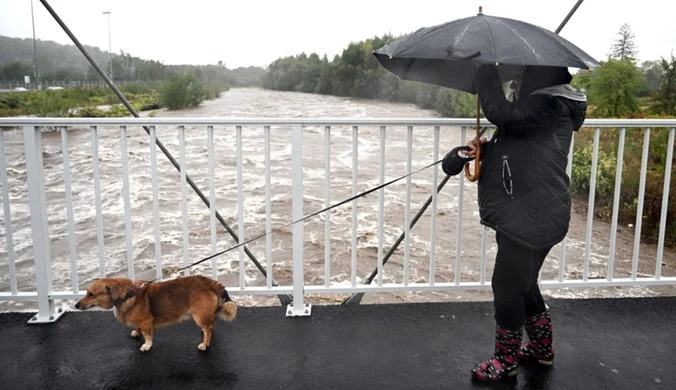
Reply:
x=36, y=74
x=110, y=51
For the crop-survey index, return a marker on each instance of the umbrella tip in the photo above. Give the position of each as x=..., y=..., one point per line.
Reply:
x=481, y=10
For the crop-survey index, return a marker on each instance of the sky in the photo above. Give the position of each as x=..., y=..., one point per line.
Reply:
x=244, y=33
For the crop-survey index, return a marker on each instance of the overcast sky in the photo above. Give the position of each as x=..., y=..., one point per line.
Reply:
x=243, y=33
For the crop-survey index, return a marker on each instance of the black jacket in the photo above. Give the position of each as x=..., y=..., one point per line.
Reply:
x=523, y=186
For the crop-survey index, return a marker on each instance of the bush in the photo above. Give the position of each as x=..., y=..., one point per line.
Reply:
x=454, y=104
x=181, y=91
x=51, y=104
x=581, y=172
x=631, y=174
x=139, y=88
x=9, y=101
x=213, y=91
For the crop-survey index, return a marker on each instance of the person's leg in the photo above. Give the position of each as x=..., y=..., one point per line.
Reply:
x=533, y=303
x=538, y=325
x=515, y=273
x=514, y=276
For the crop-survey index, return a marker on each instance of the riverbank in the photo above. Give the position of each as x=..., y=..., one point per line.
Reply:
x=102, y=102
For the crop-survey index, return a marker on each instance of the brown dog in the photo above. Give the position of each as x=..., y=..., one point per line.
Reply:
x=159, y=304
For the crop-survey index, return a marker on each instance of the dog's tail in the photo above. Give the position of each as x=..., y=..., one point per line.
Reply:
x=227, y=308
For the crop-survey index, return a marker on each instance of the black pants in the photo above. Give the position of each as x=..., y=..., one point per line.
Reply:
x=515, y=288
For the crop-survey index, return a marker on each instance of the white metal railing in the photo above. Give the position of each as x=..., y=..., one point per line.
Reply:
x=325, y=255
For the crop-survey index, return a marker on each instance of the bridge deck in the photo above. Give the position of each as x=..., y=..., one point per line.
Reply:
x=600, y=343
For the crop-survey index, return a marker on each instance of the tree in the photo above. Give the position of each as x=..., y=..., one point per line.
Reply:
x=665, y=98
x=15, y=71
x=654, y=73
x=613, y=91
x=624, y=47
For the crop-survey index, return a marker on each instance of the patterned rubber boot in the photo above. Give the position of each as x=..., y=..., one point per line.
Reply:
x=503, y=363
x=539, y=348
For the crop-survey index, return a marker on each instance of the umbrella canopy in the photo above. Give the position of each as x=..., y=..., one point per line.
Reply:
x=446, y=54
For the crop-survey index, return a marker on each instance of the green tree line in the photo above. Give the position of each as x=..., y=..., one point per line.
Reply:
x=357, y=73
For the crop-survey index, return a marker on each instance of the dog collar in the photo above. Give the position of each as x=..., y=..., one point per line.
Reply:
x=129, y=294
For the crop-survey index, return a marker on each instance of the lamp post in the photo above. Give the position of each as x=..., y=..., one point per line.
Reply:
x=110, y=51
x=36, y=74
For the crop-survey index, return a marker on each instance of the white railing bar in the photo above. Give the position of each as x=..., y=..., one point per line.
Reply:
x=72, y=254
x=298, y=307
x=127, y=202
x=97, y=200
x=69, y=295
x=212, y=201
x=407, y=211
x=184, y=201
x=381, y=206
x=564, y=242
x=220, y=121
x=7, y=215
x=461, y=197
x=268, y=211
x=240, y=207
x=355, y=161
x=327, y=203
x=156, y=204
x=641, y=198
x=484, y=242
x=464, y=286
x=590, y=205
x=665, y=204
x=387, y=287
x=435, y=184
x=27, y=295
x=616, y=203
x=35, y=179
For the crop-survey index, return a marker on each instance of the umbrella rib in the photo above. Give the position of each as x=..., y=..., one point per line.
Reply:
x=522, y=40
x=559, y=43
x=495, y=50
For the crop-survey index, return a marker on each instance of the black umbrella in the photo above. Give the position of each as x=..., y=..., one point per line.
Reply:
x=447, y=54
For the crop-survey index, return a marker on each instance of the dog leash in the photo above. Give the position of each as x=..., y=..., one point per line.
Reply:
x=133, y=291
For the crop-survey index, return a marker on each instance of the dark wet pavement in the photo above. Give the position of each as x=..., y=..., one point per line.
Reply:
x=600, y=344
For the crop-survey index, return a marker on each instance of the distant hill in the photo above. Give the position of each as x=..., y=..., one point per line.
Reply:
x=51, y=55
x=57, y=62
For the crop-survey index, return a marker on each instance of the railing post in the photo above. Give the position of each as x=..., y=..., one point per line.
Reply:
x=298, y=307
x=36, y=195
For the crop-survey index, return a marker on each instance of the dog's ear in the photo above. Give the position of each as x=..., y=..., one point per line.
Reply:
x=114, y=291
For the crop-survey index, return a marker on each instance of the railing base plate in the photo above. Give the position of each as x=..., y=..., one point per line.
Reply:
x=47, y=320
x=305, y=311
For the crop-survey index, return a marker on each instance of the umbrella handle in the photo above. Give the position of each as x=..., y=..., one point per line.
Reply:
x=477, y=154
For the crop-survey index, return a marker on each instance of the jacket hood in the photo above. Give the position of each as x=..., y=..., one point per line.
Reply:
x=565, y=91
x=575, y=99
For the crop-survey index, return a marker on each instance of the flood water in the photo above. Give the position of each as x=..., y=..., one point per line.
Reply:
x=256, y=103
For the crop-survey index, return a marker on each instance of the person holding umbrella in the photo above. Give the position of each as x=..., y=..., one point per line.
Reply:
x=521, y=172
x=524, y=196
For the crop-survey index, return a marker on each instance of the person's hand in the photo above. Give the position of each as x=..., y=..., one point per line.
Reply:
x=472, y=146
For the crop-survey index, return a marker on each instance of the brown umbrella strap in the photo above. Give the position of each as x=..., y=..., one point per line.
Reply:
x=477, y=140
